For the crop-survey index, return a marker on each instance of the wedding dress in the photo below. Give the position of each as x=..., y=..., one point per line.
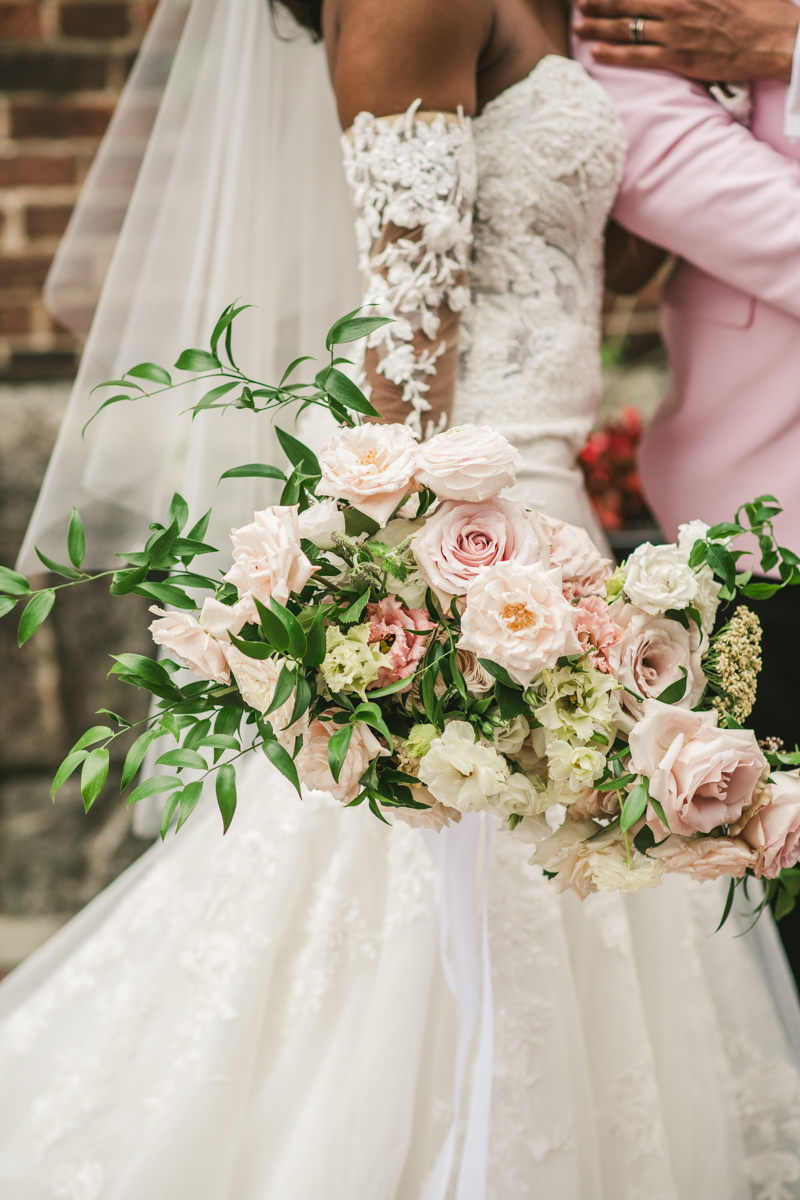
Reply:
x=269, y=1015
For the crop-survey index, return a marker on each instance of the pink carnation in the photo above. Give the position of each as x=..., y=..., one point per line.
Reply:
x=597, y=631
x=393, y=625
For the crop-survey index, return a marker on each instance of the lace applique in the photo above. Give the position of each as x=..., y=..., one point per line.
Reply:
x=420, y=177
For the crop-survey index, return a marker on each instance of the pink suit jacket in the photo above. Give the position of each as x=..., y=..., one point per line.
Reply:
x=726, y=200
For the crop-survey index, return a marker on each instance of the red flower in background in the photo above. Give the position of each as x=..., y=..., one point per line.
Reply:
x=609, y=463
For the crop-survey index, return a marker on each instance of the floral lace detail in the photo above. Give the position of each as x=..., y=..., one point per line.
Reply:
x=420, y=177
x=550, y=154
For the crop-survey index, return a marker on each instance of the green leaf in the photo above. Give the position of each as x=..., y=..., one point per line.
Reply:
x=95, y=734
x=659, y=811
x=187, y=547
x=252, y=649
x=302, y=699
x=220, y=741
x=644, y=840
x=283, y=690
x=151, y=371
x=13, y=584
x=93, y=776
x=681, y=615
x=198, y=360
x=199, y=531
x=169, y=812
x=613, y=785
x=167, y=594
x=351, y=328
x=315, y=640
x=58, y=568
x=675, y=691
x=159, y=547
x=297, y=453
x=210, y=398
x=6, y=605
x=228, y=721
x=760, y=591
x=152, y=786
x=226, y=794
x=337, y=750
x=297, y=639
x=633, y=808
x=253, y=471
x=224, y=323
x=146, y=668
x=376, y=812
x=282, y=760
x=276, y=631
x=356, y=523
x=728, y=905
x=722, y=563
x=500, y=673
x=391, y=688
x=178, y=511
x=135, y=756
x=723, y=530
x=183, y=758
x=188, y=801
x=355, y=610
x=346, y=392
x=511, y=701
x=370, y=714
x=106, y=404
x=35, y=613
x=67, y=767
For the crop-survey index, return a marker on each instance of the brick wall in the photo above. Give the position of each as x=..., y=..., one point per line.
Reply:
x=62, y=65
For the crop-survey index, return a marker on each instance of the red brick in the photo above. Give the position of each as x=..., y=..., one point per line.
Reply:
x=53, y=120
x=25, y=270
x=51, y=71
x=15, y=319
x=36, y=169
x=19, y=21
x=44, y=219
x=94, y=20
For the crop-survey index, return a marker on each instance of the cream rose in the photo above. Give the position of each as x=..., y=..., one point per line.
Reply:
x=257, y=679
x=688, y=534
x=477, y=678
x=269, y=560
x=312, y=761
x=658, y=578
x=584, y=570
x=649, y=658
x=460, y=540
x=371, y=467
x=705, y=857
x=461, y=772
x=519, y=797
x=193, y=644
x=517, y=617
x=319, y=522
x=467, y=463
x=702, y=776
x=437, y=817
x=774, y=832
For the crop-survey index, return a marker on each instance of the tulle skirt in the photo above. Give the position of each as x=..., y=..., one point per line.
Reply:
x=265, y=1016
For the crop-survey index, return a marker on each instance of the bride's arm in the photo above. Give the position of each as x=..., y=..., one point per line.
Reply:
x=402, y=70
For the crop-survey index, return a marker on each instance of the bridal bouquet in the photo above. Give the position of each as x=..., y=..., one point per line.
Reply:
x=398, y=633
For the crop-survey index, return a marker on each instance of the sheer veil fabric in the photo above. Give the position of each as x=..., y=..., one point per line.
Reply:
x=220, y=177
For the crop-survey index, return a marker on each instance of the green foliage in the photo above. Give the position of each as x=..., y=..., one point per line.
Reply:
x=35, y=613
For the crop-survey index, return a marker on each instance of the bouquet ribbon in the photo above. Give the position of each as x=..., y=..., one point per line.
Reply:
x=456, y=852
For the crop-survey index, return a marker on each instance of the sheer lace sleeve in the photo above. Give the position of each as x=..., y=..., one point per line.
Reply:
x=413, y=182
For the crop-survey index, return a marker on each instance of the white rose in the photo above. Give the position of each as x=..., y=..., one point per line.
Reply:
x=467, y=463
x=653, y=654
x=519, y=797
x=509, y=739
x=371, y=467
x=707, y=599
x=688, y=534
x=320, y=521
x=461, y=772
x=269, y=560
x=658, y=578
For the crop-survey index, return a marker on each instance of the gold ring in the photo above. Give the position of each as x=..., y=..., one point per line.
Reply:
x=637, y=30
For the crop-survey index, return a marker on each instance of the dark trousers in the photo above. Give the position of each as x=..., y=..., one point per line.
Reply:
x=777, y=708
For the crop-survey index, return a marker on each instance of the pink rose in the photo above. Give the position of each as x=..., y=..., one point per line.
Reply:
x=467, y=463
x=584, y=570
x=436, y=817
x=702, y=776
x=705, y=858
x=196, y=644
x=371, y=467
x=257, y=679
x=649, y=658
x=393, y=625
x=268, y=558
x=774, y=832
x=517, y=617
x=459, y=540
x=597, y=632
x=312, y=761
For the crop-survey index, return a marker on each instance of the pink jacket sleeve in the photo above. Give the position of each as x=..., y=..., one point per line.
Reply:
x=704, y=187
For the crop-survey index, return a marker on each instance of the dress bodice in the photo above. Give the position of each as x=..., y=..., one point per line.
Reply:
x=550, y=153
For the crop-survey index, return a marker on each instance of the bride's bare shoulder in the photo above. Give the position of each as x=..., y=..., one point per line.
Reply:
x=385, y=54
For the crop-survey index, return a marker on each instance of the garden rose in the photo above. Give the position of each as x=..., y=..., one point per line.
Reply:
x=774, y=832
x=392, y=626
x=437, y=817
x=371, y=467
x=517, y=617
x=658, y=578
x=705, y=858
x=257, y=679
x=519, y=797
x=584, y=570
x=476, y=678
x=702, y=776
x=649, y=658
x=597, y=632
x=461, y=772
x=320, y=521
x=688, y=534
x=467, y=463
x=269, y=560
x=191, y=644
x=459, y=540
x=312, y=761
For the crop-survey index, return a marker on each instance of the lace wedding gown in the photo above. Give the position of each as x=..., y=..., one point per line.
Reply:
x=267, y=1017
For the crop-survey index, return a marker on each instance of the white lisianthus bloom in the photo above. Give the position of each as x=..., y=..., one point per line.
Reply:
x=519, y=797
x=577, y=766
x=688, y=534
x=658, y=578
x=575, y=703
x=419, y=739
x=320, y=522
x=461, y=772
x=351, y=661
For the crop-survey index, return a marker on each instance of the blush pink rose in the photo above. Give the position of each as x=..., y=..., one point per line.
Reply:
x=584, y=570
x=312, y=761
x=467, y=462
x=371, y=467
x=597, y=632
x=269, y=560
x=437, y=817
x=393, y=626
x=702, y=776
x=652, y=654
x=517, y=617
x=460, y=540
x=199, y=644
x=257, y=679
x=705, y=858
x=774, y=832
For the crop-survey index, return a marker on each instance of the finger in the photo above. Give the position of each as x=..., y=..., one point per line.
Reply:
x=616, y=9
x=618, y=31
x=656, y=58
